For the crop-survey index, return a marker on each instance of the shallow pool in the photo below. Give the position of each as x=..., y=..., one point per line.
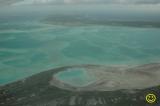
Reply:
x=76, y=77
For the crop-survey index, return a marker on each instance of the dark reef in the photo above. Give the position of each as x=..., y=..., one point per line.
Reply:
x=87, y=20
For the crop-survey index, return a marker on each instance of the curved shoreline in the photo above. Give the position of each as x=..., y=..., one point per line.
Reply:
x=114, y=78
x=37, y=90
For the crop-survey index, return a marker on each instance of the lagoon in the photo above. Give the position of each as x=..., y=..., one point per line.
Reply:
x=32, y=44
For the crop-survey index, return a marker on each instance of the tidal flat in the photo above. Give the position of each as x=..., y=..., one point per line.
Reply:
x=112, y=88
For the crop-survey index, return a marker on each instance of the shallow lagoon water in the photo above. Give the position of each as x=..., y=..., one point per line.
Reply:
x=29, y=46
x=24, y=52
x=78, y=77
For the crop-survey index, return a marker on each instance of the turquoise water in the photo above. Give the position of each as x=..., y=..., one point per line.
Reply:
x=30, y=43
x=75, y=76
x=24, y=52
x=29, y=48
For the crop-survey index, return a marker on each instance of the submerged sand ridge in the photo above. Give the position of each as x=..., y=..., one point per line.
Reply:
x=111, y=78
